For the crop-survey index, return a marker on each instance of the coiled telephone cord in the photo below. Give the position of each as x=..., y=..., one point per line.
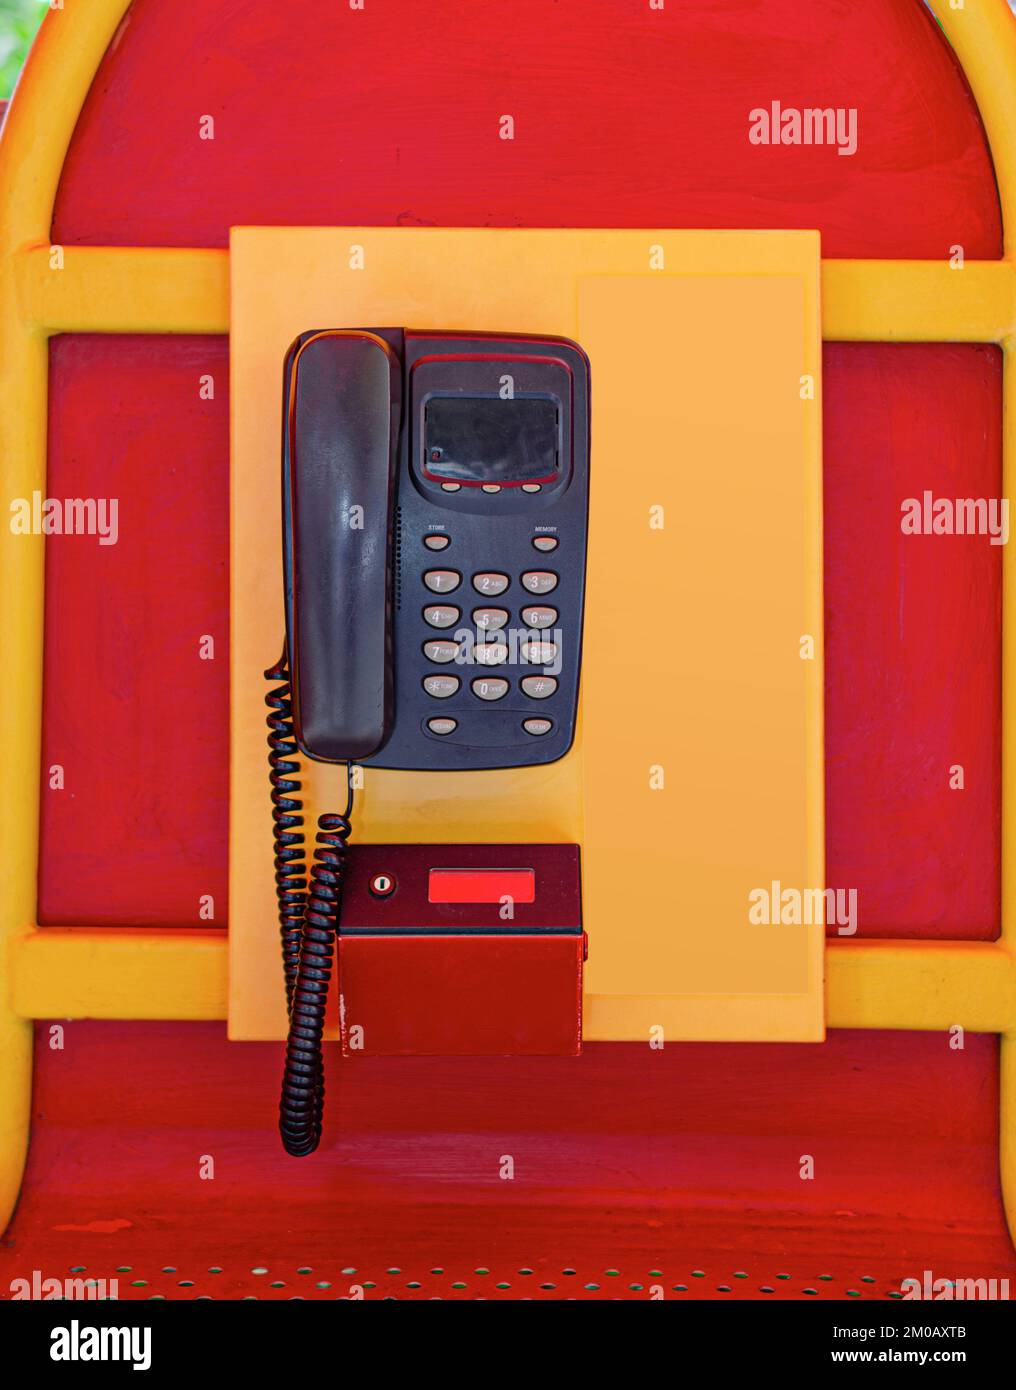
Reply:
x=308, y=919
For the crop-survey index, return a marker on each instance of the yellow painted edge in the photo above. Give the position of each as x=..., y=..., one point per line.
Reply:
x=121, y=289
x=80, y=972
x=37, y=132
x=918, y=301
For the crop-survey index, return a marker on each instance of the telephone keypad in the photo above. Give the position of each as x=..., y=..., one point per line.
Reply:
x=538, y=687
x=490, y=583
x=539, y=581
x=490, y=688
x=539, y=617
x=437, y=615
x=442, y=581
x=441, y=652
x=441, y=687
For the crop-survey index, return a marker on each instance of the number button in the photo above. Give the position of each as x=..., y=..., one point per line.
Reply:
x=539, y=617
x=490, y=688
x=442, y=581
x=539, y=581
x=489, y=619
x=441, y=686
x=490, y=584
x=440, y=616
x=490, y=653
x=441, y=652
x=539, y=687
x=539, y=653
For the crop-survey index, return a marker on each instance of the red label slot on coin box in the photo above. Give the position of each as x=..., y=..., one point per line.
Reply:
x=481, y=885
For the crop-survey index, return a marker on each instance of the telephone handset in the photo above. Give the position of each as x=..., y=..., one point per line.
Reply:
x=435, y=494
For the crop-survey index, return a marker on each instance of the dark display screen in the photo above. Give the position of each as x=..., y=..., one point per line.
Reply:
x=486, y=439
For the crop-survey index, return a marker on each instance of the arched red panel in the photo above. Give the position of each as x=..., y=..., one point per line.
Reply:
x=624, y=116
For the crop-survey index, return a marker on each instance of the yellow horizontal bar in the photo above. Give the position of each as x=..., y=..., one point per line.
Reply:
x=921, y=985
x=918, y=301
x=124, y=289
x=79, y=972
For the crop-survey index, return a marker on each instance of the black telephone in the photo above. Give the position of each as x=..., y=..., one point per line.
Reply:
x=435, y=497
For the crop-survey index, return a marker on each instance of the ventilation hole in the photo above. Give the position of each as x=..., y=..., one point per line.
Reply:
x=203, y=1298
x=185, y=1283
x=350, y=1270
x=259, y=1269
x=740, y=1274
x=169, y=1269
x=766, y=1288
x=656, y=1274
x=414, y=1285
x=612, y=1272
x=894, y=1293
x=853, y=1293
x=636, y=1288
x=277, y=1284
x=592, y=1286
x=305, y=1269
x=77, y=1269
x=481, y=1270
x=525, y=1271
x=826, y=1277
x=698, y=1274
x=810, y=1291
x=124, y=1269
x=548, y=1286
x=215, y=1269
x=502, y=1286
x=433, y=1271
x=393, y=1271
x=398, y=558
x=322, y=1284
x=783, y=1276
x=723, y=1288
x=867, y=1279
x=156, y=1298
x=139, y=1283
x=459, y=1285
x=680, y=1288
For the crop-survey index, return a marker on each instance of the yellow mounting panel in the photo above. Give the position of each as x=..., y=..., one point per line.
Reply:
x=704, y=576
x=64, y=972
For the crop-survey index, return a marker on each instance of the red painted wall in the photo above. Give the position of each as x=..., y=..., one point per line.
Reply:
x=626, y=117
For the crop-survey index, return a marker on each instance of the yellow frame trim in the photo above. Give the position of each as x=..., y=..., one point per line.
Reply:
x=871, y=983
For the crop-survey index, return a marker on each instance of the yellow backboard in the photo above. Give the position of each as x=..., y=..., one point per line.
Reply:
x=695, y=782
